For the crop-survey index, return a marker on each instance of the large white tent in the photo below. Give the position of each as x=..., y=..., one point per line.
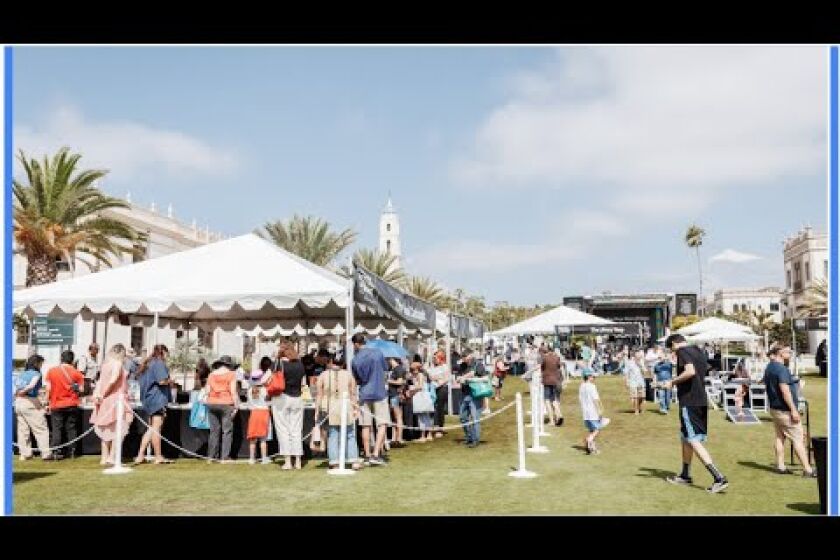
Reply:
x=244, y=282
x=544, y=323
x=713, y=324
x=723, y=335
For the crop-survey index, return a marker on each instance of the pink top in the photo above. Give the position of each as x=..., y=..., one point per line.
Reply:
x=104, y=417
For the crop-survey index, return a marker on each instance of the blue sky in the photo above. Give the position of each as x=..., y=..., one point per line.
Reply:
x=520, y=174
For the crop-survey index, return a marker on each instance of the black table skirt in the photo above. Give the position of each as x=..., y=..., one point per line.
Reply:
x=176, y=428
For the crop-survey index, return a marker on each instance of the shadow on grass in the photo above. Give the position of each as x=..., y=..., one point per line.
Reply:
x=20, y=477
x=758, y=466
x=813, y=509
x=654, y=473
x=579, y=448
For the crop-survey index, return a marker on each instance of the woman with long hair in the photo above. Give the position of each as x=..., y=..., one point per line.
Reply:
x=111, y=388
x=288, y=409
x=202, y=370
x=155, y=395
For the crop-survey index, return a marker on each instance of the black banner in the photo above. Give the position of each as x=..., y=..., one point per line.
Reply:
x=685, y=304
x=371, y=290
x=466, y=327
x=621, y=329
x=811, y=324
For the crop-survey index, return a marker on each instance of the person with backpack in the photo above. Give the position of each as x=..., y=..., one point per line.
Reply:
x=64, y=384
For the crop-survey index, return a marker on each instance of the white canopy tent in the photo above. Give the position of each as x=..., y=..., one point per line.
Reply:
x=245, y=282
x=713, y=324
x=723, y=335
x=544, y=323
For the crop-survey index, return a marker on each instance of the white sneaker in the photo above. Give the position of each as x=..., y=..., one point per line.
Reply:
x=486, y=411
x=252, y=461
x=266, y=461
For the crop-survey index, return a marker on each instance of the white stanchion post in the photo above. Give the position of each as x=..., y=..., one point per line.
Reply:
x=118, y=467
x=543, y=431
x=342, y=443
x=536, y=422
x=521, y=472
x=533, y=405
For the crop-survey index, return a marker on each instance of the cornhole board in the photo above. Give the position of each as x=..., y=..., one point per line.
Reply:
x=749, y=416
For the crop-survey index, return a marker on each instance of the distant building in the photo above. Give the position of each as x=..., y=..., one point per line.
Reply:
x=806, y=262
x=389, y=233
x=737, y=300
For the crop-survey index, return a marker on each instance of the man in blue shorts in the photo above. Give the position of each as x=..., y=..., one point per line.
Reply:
x=692, y=366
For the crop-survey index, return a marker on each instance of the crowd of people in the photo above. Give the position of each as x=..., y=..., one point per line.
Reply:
x=385, y=397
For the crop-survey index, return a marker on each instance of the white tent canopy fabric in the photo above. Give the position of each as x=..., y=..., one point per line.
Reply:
x=544, y=323
x=723, y=335
x=713, y=324
x=244, y=282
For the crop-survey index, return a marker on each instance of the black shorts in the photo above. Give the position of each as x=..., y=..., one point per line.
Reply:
x=693, y=423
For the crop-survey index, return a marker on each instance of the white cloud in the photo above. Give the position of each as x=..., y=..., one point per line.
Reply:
x=656, y=118
x=128, y=149
x=733, y=256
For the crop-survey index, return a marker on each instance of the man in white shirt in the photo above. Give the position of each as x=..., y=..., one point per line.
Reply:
x=590, y=405
x=89, y=364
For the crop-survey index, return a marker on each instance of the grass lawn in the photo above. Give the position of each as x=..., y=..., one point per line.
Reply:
x=444, y=477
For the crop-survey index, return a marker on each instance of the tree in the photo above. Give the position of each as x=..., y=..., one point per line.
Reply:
x=683, y=321
x=694, y=236
x=381, y=264
x=427, y=290
x=781, y=333
x=816, y=300
x=308, y=237
x=186, y=353
x=58, y=215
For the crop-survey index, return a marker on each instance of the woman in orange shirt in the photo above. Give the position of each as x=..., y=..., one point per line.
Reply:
x=222, y=406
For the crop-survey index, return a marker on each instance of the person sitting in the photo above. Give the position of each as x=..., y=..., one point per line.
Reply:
x=741, y=376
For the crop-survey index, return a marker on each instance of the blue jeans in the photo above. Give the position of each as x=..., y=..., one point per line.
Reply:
x=469, y=413
x=334, y=441
x=664, y=395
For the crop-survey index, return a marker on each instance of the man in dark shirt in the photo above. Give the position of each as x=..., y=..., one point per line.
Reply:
x=783, y=400
x=469, y=411
x=692, y=365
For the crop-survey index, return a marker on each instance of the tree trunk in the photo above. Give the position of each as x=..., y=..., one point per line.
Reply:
x=700, y=273
x=40, y=270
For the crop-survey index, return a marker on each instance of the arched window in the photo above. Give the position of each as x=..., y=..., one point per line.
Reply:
x=388, y=245
x=387, y=227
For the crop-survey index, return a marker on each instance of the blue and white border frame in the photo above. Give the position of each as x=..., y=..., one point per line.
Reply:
x=833, y=380
x=6, y=145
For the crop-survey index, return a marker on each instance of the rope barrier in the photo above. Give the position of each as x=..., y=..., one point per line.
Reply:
x=71, y=442
x=481, y=418
x=198, y=456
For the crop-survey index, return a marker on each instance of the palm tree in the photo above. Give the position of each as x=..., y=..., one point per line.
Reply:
x=694, y=239
x=816, y=300
x=383, y=265
x=427, y=290
x=308, y=237
x=58, y=215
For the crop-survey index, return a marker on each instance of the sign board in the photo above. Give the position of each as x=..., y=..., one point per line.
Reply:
x=811, y=324
x=685, y=304
x=622, y=329
x=51, y=331
x=387, y=301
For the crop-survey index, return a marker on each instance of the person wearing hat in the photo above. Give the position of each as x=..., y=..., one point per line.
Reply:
x=222, y=406
x=591, y=411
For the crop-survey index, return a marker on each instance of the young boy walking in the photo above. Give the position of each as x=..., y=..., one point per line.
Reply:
x=592, y=411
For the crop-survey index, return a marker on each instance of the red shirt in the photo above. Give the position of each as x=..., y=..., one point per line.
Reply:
x=61, y=395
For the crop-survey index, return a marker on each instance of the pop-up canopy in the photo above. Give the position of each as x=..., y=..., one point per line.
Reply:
x=544, y=323
x=713, y=324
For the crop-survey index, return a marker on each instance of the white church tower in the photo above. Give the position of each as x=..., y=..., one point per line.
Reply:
x=389, y=232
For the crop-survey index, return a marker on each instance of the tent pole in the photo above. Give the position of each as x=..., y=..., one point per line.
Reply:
x=348, y=320
x=105, y=334
x=156, y=330
x=449, y=358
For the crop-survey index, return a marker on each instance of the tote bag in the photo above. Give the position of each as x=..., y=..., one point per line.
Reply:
x=421, y=402
x=199, y=417
x=481, y=388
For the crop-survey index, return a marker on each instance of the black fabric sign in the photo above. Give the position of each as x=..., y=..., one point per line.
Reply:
x=373, y=291
x=631, y=329
x=685, y=304
x=811, y=324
